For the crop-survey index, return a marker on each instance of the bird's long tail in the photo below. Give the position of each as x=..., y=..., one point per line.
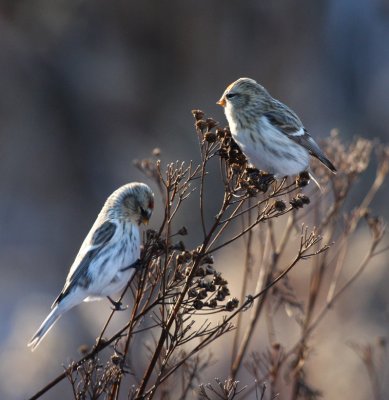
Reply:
x=47, y=324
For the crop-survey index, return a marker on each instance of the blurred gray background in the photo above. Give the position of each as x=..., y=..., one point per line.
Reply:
x=88, y=86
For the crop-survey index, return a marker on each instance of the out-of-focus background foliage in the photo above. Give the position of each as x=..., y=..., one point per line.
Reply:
x=87, y=86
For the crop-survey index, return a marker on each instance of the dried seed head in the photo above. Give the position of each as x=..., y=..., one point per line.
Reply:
x=201, y=294
x=211, y=123
x=225, y=290
x=220, y=133
x=184, y=257
x=183, y=231
x=201, y=125
x=296, y=203
x=220, y=296
x=202, y=283
x=303, y=179
x=280, y=205
x=232, y=304
x=304, y=198
x=198, y=114
x=227, y=132
x=211, y=287
x=116, y=359
x=210, y=137
x=198, y=304
x=212, y=303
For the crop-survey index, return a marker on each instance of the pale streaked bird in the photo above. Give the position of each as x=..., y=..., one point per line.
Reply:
x=269, y=133
x=105, y=262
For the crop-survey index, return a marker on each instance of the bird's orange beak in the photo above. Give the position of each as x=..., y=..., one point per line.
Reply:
x=222, y=101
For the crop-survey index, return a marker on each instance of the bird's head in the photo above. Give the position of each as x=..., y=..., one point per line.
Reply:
x=242, y=94
x=133, y=202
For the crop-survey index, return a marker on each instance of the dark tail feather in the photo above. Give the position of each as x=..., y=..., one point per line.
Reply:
x=326, y=162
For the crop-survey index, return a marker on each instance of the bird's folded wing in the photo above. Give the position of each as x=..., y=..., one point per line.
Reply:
x=80, y=276
x=289, y=124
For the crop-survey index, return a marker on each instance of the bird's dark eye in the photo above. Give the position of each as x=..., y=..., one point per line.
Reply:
x=230, y=95
x=143, y=212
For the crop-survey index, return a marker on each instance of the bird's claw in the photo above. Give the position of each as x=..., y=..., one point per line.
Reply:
x=117, y=305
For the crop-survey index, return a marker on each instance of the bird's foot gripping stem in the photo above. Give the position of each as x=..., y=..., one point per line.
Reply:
x=117, y=305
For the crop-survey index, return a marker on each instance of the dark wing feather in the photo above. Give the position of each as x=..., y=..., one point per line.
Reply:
x=289, y=124
x=80, y=276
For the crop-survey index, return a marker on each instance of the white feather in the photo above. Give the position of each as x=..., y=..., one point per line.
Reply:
x=269, y=149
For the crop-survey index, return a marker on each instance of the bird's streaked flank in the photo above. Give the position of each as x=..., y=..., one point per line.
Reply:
x=268, y=132
x=101, y=267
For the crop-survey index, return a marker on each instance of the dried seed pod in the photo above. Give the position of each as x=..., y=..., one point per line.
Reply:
x=202, y=283
x=303, y=179
x=220, y=133
x=183, y=231
x=225, y=290
x=201, y=124
x=280, y=205
x=212, y=303
x=202, y=294
x=304, y=198
x=210, y=137
x=232, y=304
x=198, y=304
x=184, y=257
x=296, y=203
x=211, y=123
x=211, y=287
x=220, y=296
x=116, y=359
x=198, y=114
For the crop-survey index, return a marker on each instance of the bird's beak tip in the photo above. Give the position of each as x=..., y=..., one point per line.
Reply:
x=221, y=102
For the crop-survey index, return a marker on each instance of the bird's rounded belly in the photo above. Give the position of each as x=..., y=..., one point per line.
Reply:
x=274, y=156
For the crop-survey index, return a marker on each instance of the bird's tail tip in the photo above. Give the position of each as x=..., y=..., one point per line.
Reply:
x=47, y=324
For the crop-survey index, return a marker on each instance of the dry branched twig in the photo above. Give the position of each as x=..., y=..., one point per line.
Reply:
x=183, y=302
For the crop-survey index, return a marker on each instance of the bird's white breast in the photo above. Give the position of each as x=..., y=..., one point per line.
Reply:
x=267, y=148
